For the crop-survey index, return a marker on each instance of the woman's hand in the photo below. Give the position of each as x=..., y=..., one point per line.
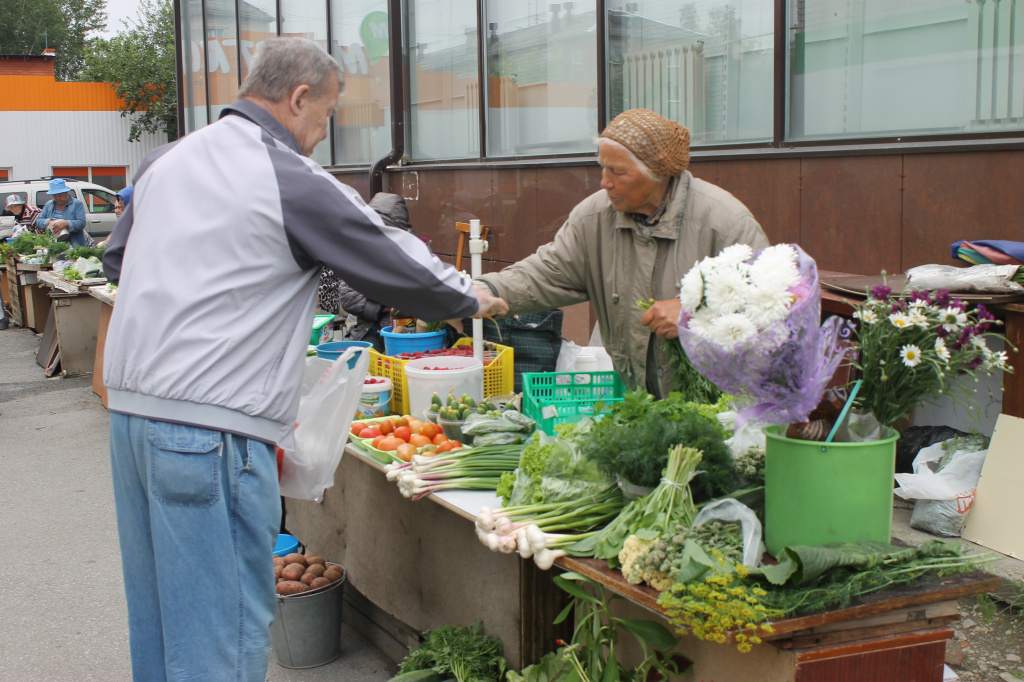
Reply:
x=489, y=303
x=662, y=318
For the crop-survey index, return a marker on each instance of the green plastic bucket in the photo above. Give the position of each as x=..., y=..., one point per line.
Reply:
x=817, y=493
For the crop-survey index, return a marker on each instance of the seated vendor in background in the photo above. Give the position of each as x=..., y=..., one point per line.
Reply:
x=633, y=241
x=24, y=213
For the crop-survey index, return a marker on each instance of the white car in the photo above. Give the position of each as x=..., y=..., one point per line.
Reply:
x=99, y=203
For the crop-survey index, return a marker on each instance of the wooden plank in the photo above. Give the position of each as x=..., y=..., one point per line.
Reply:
x=841, y=636
x=874, y=644
x=917, y=594
x=48, y=344
x=921, y=662
x=1013, y=384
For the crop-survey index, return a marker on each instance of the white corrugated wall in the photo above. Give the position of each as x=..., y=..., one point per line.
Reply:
x=33, y=142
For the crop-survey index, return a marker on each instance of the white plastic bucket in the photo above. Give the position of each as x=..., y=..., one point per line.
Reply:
x=463, y=375
x=375, y=400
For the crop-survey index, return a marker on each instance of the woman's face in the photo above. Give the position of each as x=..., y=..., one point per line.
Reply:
x=118, y=206
x=16, y=209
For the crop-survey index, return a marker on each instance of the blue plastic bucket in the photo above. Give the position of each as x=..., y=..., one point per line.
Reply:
x=411, y=342
x=332, y=349
x=286, y=544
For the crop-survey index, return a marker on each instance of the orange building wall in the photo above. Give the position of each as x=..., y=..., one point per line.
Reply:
x=42, y=93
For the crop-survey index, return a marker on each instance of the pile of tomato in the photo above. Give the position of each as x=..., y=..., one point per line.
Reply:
x=405, y=436
x=454, y=351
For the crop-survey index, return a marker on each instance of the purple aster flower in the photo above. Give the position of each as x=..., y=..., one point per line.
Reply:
x=880, y=292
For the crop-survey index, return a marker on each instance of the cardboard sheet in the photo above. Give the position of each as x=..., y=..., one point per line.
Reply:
x=995, y=517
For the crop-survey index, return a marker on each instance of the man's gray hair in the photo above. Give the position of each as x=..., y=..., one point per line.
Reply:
x=282, y=64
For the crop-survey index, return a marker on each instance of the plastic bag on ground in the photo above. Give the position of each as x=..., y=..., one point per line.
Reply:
x=326, y=410
x=943, y=483
x=734, y=511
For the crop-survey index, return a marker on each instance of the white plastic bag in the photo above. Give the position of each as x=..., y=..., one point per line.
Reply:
x=985, y=277
x=944, y=495
x=734, y=511
x=567, y=356
x=326, y=410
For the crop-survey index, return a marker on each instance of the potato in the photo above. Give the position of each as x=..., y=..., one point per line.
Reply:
x=277, y=571
x=291, y=587
x=307, y=578
x=279, y=561
x=316, y=569
x=293, y=571
x=332, y=574
x=318, y=583
x=314, y=559
x=295, y=558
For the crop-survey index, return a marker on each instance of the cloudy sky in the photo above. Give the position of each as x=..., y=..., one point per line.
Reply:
x=116, y=11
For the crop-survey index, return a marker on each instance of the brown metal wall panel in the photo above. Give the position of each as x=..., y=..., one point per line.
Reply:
x=851, y=210
x=771, y=190
x=948, y=197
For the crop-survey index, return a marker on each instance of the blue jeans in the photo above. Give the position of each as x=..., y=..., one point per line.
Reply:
x=198, y=512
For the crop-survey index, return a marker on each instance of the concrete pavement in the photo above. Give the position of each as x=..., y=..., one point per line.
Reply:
x=62, y=606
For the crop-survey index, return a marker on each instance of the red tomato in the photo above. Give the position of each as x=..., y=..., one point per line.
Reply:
x=369, y=432
x=401, y=421
x=405, y=452
x=403, y=432
x=429, y=430
x=445, y=446
x=419, y=440
x=376, y=441
x=388, y=444
x=357, y=427
x=386, y=426
x=439, y=438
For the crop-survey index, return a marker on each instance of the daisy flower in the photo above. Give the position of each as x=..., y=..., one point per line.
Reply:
x=911, y=355
x=952, y=319
x=941, y=350
x=918, y=318
x=900, y=320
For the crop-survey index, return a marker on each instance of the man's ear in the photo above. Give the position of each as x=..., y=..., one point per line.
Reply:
x=298, y=98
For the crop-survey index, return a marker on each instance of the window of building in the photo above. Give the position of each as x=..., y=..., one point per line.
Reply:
x=221, y=55
x=541, y=78
x=5, y=174
x=444, y=80
x=308, y=19
x=359, y=41
x=193, y=63
x=870, y=68
x=111, y=177
x=257, y=20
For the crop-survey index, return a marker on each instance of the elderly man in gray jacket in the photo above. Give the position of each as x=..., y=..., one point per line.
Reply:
x=633, y=241
x=217, y=258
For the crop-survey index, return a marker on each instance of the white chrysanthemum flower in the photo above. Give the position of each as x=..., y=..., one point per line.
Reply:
x=1000, y=358
x=900, y=320
x=911, y=355
x=735, y=254
x=732, y=328
x=917, y=318
x=941, y=350
x=766, y=306
x=776, y=268
x=952, y=319
x=691, y=290
x=700, y=324
x=726, y=290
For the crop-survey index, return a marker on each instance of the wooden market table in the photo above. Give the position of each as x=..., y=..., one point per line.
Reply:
x=106, y=298
x=30, y=305
x=1007, y=308
x=77, y=316
x=417, y=565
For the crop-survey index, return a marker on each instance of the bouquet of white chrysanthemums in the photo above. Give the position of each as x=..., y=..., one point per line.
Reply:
x=751, y=323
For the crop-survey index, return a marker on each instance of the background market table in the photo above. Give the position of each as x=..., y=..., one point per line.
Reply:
x=102, y=294
x=77, y=316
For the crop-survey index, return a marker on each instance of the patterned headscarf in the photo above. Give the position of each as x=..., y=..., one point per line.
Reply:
x=662, y=145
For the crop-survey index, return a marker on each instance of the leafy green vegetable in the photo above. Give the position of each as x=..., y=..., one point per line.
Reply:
x=686, y=380
x=85, y=252
x=28, y=243
x=632, y=442
x=460, y=651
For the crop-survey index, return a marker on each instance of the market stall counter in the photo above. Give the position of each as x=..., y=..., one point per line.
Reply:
x=76, y=315
x=105, y=296
x=417, y=565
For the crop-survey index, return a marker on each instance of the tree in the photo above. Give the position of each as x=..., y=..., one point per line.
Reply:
x=29, y=26
x=139, y=63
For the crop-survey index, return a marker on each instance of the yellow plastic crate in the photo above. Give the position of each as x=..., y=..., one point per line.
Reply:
x=498, y=375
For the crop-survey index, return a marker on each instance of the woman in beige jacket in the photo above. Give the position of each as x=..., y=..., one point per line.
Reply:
x=633, y=240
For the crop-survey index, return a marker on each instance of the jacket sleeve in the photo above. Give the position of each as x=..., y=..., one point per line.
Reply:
x=328, y=224
x=76, y=223
x=553, y=277
x=745, y=230
x=42, y=220
x=354, y=303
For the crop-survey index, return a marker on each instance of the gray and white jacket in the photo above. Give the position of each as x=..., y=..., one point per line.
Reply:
x=217, y=259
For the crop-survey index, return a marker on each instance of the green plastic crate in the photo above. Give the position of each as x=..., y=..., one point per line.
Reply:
x=551, y=398
x=323, y=330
